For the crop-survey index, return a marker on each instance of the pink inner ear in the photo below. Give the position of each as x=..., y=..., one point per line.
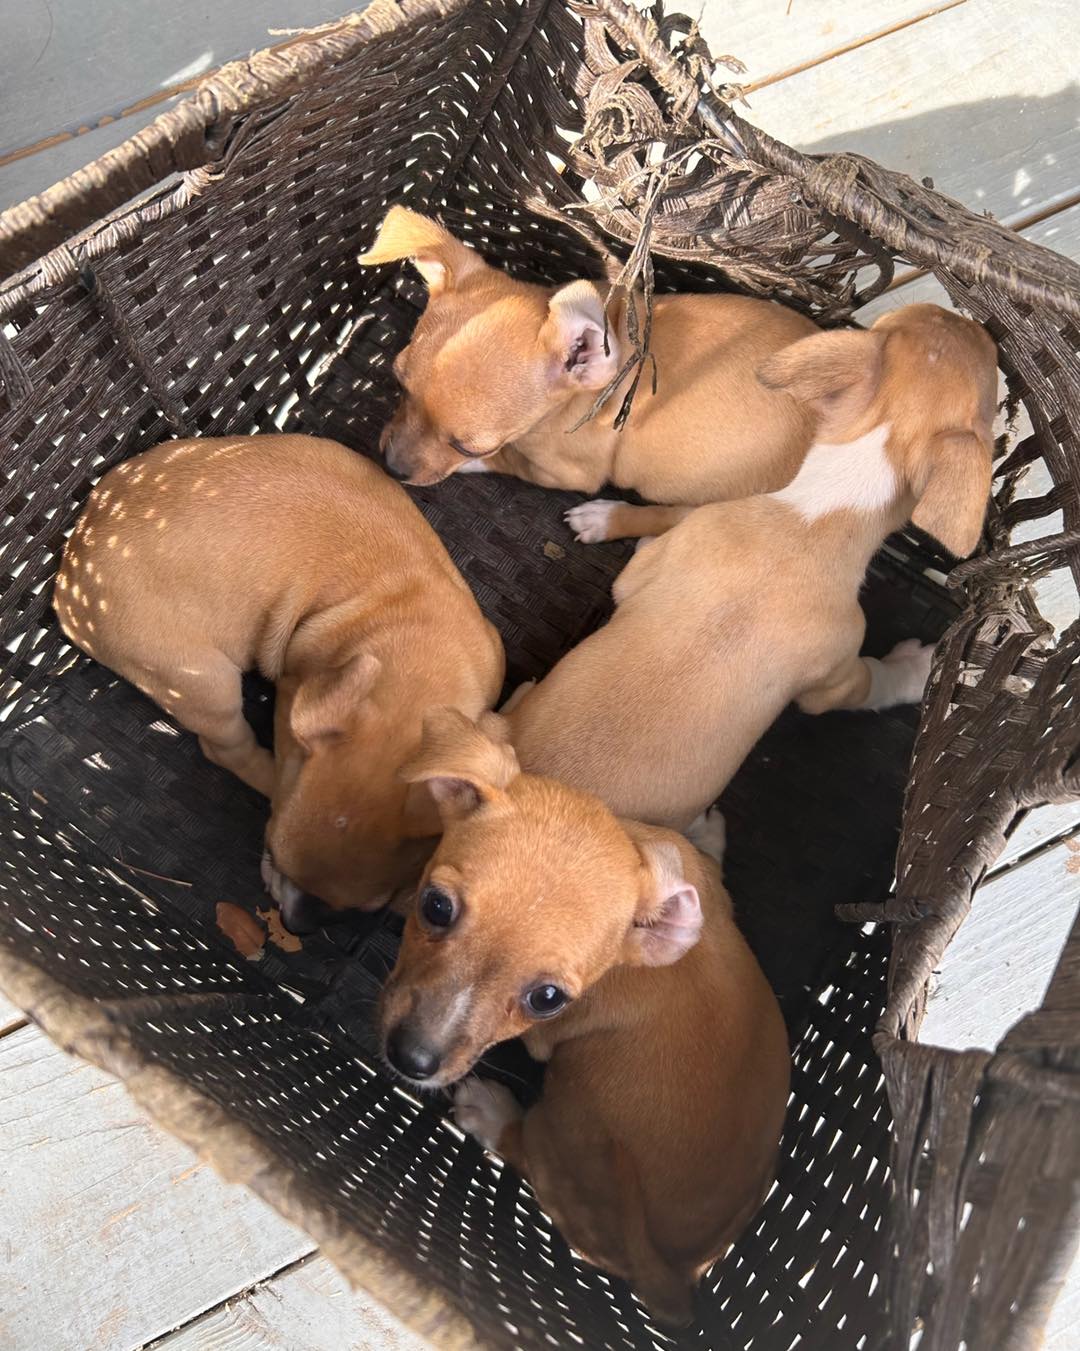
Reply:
x=587, y=346
x=673, y=931
x=456, y=792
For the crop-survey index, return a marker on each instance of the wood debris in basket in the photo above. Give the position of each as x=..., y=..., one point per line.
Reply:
x=242, y=930
x=277, y=932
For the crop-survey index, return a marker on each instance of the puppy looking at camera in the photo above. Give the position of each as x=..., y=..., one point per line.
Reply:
x=611, y=948
x=499, y=372
x=741, y=607
x=290, y=555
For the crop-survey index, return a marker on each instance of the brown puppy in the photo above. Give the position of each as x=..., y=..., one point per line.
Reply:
x=203, y=559
x=498, y=372
x=542, y=915
x=744, y=606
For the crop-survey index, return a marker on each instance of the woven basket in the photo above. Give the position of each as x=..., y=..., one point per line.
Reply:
x=918, y=1187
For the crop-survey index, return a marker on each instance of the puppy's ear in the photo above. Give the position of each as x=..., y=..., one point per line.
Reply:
x=323, y=704
x=668, y=920
x=443, y=261
x=574, y=334
x=462, y=767
x=818, y=369
x=952, y=488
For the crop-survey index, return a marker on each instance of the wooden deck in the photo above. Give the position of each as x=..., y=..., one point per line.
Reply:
x=113, y=1235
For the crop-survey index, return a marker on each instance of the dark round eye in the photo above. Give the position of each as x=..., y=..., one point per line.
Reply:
x=436, y=908
x=545, y=1000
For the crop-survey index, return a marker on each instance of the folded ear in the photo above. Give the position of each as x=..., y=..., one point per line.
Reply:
x=815, y=370
x=574, y=334
x=952, y=490
x=668, y=921
x=323, y=704
x=443, y=261
x=462, y=767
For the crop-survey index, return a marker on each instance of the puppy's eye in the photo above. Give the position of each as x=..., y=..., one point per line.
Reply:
x=455, y=444
x=437, y=908
x=545, y=1000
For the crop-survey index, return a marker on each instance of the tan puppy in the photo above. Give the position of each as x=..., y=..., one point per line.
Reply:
x=292, y=556
x=498, y=372
x=747, y=605
x=542, y=915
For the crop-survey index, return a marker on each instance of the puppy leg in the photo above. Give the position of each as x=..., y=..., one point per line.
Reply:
x=603, y=519
x=866, y=682
x=709, y=834
x=517, y=696
x=206, y=699
x=488, y=1111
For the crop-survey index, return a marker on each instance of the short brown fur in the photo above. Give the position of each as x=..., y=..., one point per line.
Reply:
x=666, y=1084
x=506, y=370
x=743, y=606
x=292, y=556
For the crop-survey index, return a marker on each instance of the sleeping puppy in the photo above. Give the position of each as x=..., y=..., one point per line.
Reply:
x=741, y=607
x=290, y=555
x=611, y=948
x=499, y=372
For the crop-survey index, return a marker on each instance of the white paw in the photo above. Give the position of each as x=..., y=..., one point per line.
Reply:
x=709, y=834
x=589, y=520
x=517, y=696
x=484, y=1109
x=910, y=662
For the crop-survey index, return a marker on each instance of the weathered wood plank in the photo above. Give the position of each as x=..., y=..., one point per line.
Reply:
x=1061, y=1329
x=77, y=69
x=307, y=1308
x=983, y=98
x=10, y=1017
x=71, y=64
x=1041, y=825
x=114, y=1233
x=997, y=967
x=23, y=178
x=776, y=36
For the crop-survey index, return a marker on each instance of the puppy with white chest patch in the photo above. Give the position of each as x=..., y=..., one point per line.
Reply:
x=499, y=373
x=290, y=555
x=611, y=948
x=741, y=607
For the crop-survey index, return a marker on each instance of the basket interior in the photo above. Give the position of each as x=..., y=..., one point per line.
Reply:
x=238, y=307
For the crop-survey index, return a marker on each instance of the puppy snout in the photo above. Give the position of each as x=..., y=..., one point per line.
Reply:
x=393, y=463
x=395, y=472
x=410, y=1055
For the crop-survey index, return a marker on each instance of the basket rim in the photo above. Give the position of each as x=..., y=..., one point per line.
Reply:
x=83, y=1027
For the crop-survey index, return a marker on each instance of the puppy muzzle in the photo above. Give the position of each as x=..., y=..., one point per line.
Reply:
x=300, y=911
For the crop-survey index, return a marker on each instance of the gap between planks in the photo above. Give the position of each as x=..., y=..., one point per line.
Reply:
x=284, y=1270
x=96, y=121
x=11, y=1018
x=851, y=46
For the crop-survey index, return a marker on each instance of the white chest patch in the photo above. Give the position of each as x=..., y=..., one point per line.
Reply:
x=855, y=476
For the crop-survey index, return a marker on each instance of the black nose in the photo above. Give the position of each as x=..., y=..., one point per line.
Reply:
x=409, y=1056
x=400, y=474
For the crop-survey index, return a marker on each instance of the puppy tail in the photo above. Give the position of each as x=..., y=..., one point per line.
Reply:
x=667, y=1292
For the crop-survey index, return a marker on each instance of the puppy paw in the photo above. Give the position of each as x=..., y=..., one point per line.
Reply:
x=709, y=834
x=517, y=696
x=484, y=1109
x=909, y=664
x=589, y=520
